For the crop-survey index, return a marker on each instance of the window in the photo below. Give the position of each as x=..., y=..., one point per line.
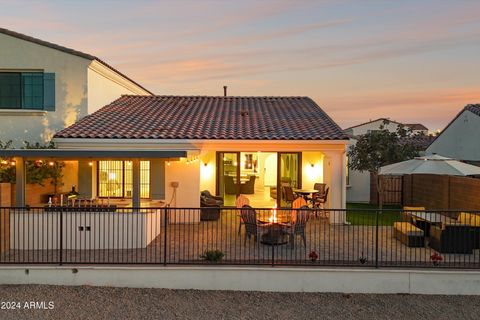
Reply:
x=27, y=90
x=115, y=179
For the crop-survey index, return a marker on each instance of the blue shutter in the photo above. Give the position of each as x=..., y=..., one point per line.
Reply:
x=49, y=91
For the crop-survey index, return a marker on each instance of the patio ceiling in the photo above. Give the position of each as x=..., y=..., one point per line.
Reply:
x=74, y=154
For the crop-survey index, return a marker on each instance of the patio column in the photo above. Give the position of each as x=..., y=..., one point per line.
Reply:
x=20, y=180
x=336, y=164
x=136, y=183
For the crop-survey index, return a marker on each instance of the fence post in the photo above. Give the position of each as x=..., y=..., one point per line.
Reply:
x=60, y=255
x=376, y=238
x=273, y=255
x=165, y=223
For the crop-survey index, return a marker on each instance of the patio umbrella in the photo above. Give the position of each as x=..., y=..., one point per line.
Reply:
x=431, y=164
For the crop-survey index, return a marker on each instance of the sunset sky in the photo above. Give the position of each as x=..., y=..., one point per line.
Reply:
x=412, y=61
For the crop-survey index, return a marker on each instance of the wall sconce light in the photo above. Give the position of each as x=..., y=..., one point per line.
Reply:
x=312, y=164
x=90, y=163
x=168, y=163
x=51, y=163
x=12, y=163
x=205, y=164
x=4, y=162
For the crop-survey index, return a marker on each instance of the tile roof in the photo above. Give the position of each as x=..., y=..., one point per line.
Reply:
x=204, y=117
x=420, y=142
x=67, y=50
x=415, y=126
x=475, y=108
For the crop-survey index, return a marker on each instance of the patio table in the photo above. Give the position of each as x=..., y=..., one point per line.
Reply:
x=305, y=193
x=426, y=219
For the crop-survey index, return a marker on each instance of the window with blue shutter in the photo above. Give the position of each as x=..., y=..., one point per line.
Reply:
x=27, y=90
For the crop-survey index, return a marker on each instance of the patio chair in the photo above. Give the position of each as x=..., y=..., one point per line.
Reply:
x=240, y=202
x=284, y=181
x=452, y=238
x=319, y=201
x=297, y=204
x=298, y=227
x=248, y=216
x=288, y=195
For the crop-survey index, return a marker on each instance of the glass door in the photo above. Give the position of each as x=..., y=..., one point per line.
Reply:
x=228, y=176
x=289, y=175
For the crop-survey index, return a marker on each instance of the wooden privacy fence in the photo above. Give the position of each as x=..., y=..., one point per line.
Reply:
x=437, y=192
x=391, y=186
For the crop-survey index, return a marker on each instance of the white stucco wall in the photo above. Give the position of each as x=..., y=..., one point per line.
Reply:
x=105, y=86
x=81, y=87
x=70, y=90
x=460, y=140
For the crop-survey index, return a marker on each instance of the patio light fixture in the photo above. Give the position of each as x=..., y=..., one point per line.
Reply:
x=90, y=163
x=12, y=163
x=51, y=163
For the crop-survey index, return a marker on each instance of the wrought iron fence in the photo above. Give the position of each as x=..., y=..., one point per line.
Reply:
x=230, y=236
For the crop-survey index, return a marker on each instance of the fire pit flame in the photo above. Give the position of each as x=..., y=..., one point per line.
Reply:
x=273, y=216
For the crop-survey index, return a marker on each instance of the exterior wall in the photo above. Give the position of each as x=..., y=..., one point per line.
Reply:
x=460, y=140
x=208, y=172
x=157, y=179
x=86, y=174
x=312, y=175
x=101, y=230
x=187, y=194
x=358, y=189
x=105, y=86
x=70, y=90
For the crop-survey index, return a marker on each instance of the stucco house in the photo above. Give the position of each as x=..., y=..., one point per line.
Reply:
x=46, y=87
x=147, y=150
x=358, y=183
x=460, y=138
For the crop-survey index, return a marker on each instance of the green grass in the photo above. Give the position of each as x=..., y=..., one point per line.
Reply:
x=360, y=214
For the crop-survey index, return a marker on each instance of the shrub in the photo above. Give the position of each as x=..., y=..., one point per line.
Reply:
x=212, y=255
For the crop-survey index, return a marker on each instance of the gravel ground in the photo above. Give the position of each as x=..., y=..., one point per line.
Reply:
x=128, y=303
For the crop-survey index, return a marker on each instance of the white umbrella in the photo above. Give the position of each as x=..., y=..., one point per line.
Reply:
x=432, y=164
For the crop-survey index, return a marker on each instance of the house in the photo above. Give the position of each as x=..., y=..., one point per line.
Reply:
x=46, y=87
x=358, y=183
x=460, y=138
x=390, y=125
x=146, y=149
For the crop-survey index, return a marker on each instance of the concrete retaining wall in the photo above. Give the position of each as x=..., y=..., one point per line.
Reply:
x=252, y=279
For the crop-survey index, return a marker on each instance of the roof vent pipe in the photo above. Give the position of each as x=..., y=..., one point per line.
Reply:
x=224, y=91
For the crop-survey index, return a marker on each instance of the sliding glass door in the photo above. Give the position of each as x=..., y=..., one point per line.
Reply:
x=228, y=184
x=289, y=175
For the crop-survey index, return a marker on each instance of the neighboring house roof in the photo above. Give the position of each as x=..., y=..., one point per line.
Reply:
x=420, y=142
x=205, y=117
x=371, y=121
x=416, y=126
x=413, y=126
x=473, y=108
x=67, y=50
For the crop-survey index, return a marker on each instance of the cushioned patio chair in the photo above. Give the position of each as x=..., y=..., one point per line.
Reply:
x=452, y=238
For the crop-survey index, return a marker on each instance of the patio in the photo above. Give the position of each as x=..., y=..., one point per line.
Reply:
x=338, y=245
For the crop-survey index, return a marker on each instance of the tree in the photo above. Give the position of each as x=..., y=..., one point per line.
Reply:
x=37, y=171
x=379, y=148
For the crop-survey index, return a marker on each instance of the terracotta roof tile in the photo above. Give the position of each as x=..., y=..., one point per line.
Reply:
x=203, y=117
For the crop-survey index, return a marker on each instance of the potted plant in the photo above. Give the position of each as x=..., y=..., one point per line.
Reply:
x=436, y=259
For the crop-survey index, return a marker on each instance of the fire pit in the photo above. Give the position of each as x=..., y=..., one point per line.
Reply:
x=276, y=230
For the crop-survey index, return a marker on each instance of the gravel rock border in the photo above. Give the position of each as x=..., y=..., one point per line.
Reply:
x=86, y=302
